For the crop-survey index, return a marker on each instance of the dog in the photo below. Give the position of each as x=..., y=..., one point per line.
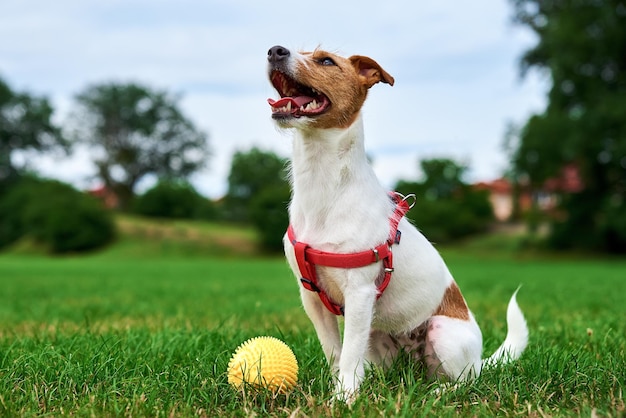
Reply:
x=349, y=244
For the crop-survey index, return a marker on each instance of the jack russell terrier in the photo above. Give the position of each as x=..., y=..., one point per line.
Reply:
x=349, y=244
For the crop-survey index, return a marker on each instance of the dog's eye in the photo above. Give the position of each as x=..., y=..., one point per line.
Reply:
x=326, y=61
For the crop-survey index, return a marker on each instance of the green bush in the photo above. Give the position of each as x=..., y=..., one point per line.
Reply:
x=465, y=213
x=268, y=212
x=572, y=228
x=447, y=208
x=613, y=225
x=55, y=215
x=175, y=200
x=10, y=224
x=251, y=172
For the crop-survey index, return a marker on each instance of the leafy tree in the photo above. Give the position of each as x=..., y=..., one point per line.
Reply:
x=250, y=173
x=581, y=47
x=442, y=177
x=446, y=207
x=268, y=212
x=136, y=131
x=25, y=124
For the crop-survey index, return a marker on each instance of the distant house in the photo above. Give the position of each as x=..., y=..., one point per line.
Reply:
x=500, y=196
x=106, y=196
x=546, y=197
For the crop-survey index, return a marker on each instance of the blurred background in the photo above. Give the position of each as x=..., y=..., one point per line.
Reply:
x=505, y=115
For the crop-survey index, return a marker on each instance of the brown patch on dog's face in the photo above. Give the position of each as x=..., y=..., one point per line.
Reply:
x=453, y=304
x=339, y=84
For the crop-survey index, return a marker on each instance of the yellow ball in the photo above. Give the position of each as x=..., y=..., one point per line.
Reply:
x=264, y=362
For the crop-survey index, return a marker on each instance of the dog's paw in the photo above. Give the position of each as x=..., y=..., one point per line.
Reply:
x=346, y=390
x=344, y=395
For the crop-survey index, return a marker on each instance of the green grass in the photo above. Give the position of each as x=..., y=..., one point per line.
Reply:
x=146, y=328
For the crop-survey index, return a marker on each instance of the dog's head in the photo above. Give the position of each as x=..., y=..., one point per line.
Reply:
x=320, y=89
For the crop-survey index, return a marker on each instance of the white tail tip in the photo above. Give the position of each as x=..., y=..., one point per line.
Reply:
x=516, y=337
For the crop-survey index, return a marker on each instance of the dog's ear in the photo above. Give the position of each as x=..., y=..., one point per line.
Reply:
x=370, y=71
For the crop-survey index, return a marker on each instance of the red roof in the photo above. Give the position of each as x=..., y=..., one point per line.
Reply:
x=569, y=181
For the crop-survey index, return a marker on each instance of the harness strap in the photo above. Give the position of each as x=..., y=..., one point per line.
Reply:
x=307, y=257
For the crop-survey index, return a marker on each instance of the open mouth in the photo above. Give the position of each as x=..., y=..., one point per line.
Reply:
x=296, y=99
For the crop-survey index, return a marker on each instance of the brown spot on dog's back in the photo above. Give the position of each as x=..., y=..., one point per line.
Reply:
x=453, y=305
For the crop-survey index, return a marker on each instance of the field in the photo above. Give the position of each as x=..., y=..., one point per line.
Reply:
x=146, y=328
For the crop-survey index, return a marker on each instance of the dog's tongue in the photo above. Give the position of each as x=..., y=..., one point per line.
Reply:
x=296, y=102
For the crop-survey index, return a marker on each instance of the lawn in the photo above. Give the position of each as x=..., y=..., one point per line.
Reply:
x=146, y=328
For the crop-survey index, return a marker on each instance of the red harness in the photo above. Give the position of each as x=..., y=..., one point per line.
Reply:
x=308, y=257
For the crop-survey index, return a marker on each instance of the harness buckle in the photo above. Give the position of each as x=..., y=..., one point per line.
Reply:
x=376, y=255
x=410, y=199
x=309, y=285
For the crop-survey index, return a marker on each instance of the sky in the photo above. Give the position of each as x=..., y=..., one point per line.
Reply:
x=455, y=63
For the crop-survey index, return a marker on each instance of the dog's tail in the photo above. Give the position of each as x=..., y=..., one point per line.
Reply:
x=516, y=336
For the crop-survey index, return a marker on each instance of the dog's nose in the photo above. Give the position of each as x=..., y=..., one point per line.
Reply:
x=277, y=53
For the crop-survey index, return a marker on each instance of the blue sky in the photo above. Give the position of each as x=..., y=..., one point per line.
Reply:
x=455, y=65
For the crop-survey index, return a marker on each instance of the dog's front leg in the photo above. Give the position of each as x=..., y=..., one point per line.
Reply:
x=326, y=327
x=360, y=297
x=324, y=322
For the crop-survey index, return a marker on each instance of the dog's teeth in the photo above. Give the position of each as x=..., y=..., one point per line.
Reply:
x=312, y=105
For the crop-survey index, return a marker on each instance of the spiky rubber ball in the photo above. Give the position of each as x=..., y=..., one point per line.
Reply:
x=264, y=362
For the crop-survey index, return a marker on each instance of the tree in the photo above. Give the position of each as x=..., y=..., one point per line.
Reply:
x=250, y=173
x=25, y=125
x=442, y=177
x=268, y=213
x=136, y=131
x=258, y=192
x=446, y=207
x=581, y=46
